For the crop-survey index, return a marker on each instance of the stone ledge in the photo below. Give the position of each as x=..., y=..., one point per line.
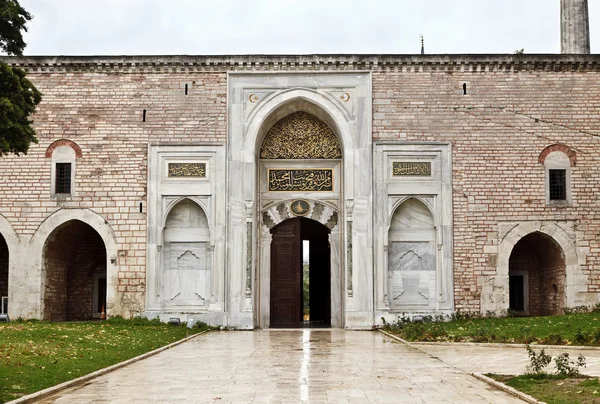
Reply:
x=326, y=62
x=38, y=395
x=507, y=389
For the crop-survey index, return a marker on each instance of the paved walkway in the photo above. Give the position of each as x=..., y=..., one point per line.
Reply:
x=300, y=366
x=504, y=360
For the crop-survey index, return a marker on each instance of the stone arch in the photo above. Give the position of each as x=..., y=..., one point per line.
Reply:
x=537, y=276
x=283, y=103
x=8, y=244
x=411, y=257
x=401, y=201
x=64, y=142
x=106, y=233
x=74, y=273
x=176, y=202
x=320, y=211
x=561, y=148
x=574, y=277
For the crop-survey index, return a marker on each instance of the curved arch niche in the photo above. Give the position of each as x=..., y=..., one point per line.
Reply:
x=187, y=257
x=412, y=257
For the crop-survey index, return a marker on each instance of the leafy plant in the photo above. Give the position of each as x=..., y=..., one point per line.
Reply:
x=566, y=367
x=537, y=361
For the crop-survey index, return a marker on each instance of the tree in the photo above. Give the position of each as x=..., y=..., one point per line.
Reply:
x=18, y=96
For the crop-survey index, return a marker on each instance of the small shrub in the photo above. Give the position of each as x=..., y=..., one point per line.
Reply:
x=537, y=361
x=565, y=367
x=581, y=337
x=597, y=336
x=553, y=339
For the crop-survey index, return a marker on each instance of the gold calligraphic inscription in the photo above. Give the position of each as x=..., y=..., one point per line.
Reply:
x=187, y=169
x=300, y=207
x=416, y=168
x=301, y=180
x=300, y=135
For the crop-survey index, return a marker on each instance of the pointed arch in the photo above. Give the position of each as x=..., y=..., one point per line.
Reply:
x=399, y=204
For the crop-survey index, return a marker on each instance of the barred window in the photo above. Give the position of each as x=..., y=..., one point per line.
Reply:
x=62, y=183
x=558, y=185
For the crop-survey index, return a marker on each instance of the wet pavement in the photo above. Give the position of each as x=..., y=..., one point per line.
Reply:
x=287, y=366
x=502, y=359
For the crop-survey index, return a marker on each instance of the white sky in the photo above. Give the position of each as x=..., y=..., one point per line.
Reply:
x=169, y=27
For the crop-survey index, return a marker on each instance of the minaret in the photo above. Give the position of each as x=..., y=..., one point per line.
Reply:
x=574, y=26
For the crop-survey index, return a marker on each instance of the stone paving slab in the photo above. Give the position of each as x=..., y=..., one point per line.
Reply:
x=299, y=366
x=474, y=358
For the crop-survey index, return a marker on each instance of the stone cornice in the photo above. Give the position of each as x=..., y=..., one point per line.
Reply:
x=273, y=63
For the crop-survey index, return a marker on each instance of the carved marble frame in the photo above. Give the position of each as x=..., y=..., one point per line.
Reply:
x=164, y=193
x=256, y=101
x=435, y=192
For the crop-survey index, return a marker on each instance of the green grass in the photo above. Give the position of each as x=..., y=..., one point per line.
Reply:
x=36, y=355
x=570, y=329
x=554, y=389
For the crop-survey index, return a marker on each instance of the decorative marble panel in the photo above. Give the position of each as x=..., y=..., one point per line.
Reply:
x=187, y=170
x=411, y=168
x=301, y=180
x=300, y=135
x=186, y=276
x=412, y=266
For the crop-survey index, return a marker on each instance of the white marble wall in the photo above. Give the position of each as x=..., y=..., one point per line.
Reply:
x=185, y=266
x=412, y=231
x=255, y=102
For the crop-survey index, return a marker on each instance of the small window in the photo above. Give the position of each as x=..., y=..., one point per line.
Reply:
x=64, y=166
x=558, y=179
x=558, y=185
x=63, y=178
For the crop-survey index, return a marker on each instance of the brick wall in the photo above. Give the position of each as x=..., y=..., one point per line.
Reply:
x=102, y=113
x=511, y=113
x=498, y=131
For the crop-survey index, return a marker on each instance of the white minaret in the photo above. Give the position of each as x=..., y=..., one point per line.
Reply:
x=574, y=26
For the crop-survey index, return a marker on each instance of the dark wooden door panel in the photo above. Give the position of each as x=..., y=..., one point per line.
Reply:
x=286, y=275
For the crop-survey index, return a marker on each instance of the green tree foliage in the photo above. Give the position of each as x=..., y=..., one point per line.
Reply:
x=18, y=96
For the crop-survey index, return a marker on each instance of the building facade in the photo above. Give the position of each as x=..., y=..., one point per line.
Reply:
x=183, y=187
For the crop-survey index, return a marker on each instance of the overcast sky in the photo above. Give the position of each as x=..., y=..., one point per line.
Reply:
x=196, y=27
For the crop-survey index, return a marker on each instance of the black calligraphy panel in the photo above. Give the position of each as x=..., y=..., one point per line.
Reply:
x=407, y=168
x=301, y=180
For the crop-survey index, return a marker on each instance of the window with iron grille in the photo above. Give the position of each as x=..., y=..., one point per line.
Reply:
x=558, y=185
x=62, y=184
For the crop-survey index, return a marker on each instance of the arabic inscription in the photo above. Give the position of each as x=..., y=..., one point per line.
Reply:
x=301, y=180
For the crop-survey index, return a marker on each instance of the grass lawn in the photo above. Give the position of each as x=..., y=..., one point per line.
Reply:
x=570, y=329
x=554, y=389
x=36, y=355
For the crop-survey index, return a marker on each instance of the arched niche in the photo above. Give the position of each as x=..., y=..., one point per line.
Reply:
x=412, y=263
x=187, y=256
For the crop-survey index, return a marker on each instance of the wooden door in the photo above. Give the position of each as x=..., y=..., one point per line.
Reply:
x=286, y=275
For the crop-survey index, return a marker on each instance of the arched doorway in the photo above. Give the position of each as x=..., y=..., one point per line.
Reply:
x=74, y=288
x=300, y=170
x=537, y=276
x=300, y=274
x=3, y=275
